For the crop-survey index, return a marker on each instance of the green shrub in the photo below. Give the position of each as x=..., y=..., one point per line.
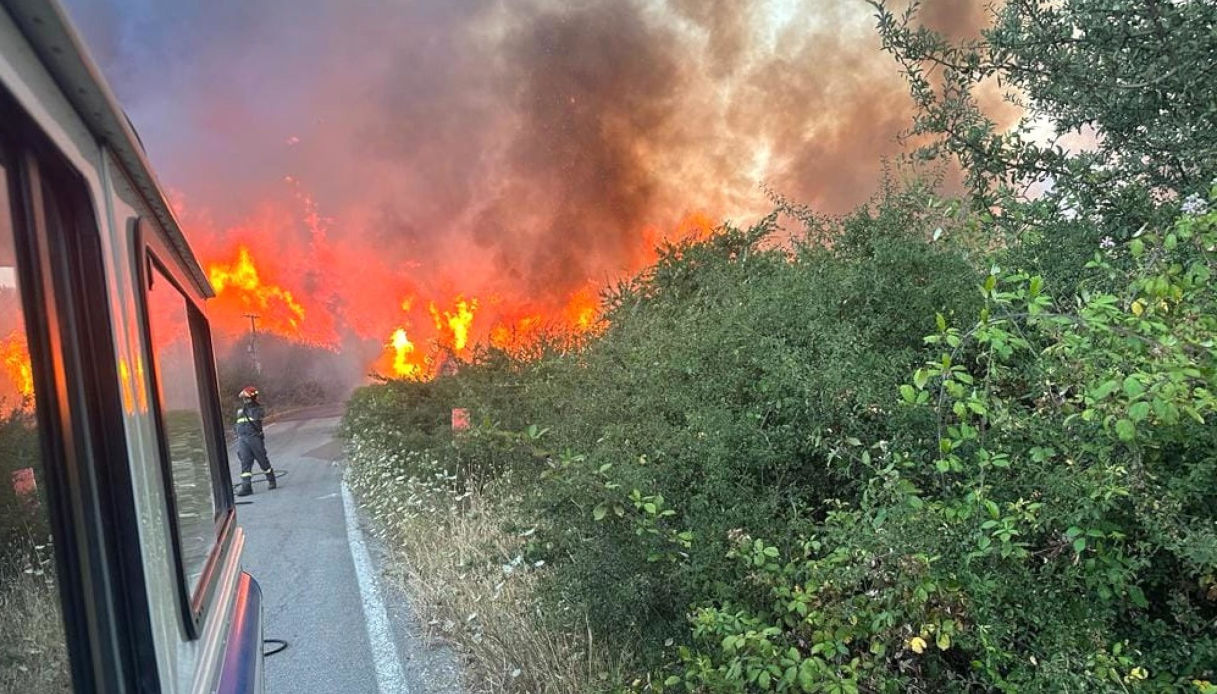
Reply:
x=726, y=377
x=1058, y=534
x=1033, y=511
x=722, y=384
x=763, y=475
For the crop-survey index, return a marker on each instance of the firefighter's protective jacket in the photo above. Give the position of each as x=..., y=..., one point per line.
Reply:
x=249, y=420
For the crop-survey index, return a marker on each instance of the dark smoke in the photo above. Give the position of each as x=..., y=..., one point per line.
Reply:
x=503, y=148
x=593, y=89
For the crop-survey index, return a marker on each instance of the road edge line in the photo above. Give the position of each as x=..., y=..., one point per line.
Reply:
x=389, y=676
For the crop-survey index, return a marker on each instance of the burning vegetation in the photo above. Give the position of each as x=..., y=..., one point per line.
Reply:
x=421, y=180
x=407, y=337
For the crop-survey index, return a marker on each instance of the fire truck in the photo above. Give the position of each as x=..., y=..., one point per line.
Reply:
x=120, y=551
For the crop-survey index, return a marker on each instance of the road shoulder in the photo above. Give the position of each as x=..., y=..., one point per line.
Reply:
x=427, y=665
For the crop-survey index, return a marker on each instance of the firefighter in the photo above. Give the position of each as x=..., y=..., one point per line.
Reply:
x=251, y=442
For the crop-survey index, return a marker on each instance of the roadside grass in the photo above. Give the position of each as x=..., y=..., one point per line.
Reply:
x=33, y=657
x=460, y=556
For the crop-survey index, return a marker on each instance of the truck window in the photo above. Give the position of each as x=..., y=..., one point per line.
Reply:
x=181, y=415
x=33, y=653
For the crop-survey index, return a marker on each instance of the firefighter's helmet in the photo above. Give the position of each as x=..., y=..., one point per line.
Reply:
x=248, y=393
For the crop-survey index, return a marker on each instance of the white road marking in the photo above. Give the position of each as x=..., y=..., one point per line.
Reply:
x=389, y=677
x=327, y=496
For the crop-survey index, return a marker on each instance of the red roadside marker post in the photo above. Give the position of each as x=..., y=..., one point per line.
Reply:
x=460, y=419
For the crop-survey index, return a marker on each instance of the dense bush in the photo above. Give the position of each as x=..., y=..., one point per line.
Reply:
x=724, y=378
x=723, y=382
x=1058, y=533
x=1022, y=500
x=930, y=447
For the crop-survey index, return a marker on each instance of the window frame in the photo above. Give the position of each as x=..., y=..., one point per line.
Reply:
x=69, y=329
x=153, y=255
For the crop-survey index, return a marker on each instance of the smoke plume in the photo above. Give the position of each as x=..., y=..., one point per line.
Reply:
x=369, y=152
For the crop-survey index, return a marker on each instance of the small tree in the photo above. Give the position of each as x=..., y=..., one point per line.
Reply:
x=1136, y=75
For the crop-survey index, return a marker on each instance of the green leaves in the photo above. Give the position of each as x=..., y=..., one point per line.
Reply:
x=1105, y=389
x=1133, y=387
x=1138, y=411
x=1125, y=429
x=728, y=387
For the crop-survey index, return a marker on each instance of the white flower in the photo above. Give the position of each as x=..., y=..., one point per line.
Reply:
x=1195, y=205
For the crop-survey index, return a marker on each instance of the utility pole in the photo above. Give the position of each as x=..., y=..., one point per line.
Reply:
x=253, y=341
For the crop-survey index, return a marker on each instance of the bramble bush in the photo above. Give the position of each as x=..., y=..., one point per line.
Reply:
x=712, y=391
x=749, y=492
x=761, y=474
x=1058, y=533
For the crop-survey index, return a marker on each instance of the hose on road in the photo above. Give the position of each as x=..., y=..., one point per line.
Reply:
x=279, y=646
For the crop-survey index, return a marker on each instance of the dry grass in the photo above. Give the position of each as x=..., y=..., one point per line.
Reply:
x=32, y=653
x=473, y=589
x=471, y=585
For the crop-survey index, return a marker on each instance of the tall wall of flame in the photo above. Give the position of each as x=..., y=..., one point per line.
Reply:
x=517, y=153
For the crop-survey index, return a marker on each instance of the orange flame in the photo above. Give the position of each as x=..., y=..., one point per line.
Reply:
x=453, y=326
x=16, y=357
x=512, y=335
x=695, y=225
x=514, y=326
x=582, y=310
x=408, y=362
x=279, y=310
x=316, y=292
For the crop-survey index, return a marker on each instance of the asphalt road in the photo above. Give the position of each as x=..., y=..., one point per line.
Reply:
x=349, y=629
